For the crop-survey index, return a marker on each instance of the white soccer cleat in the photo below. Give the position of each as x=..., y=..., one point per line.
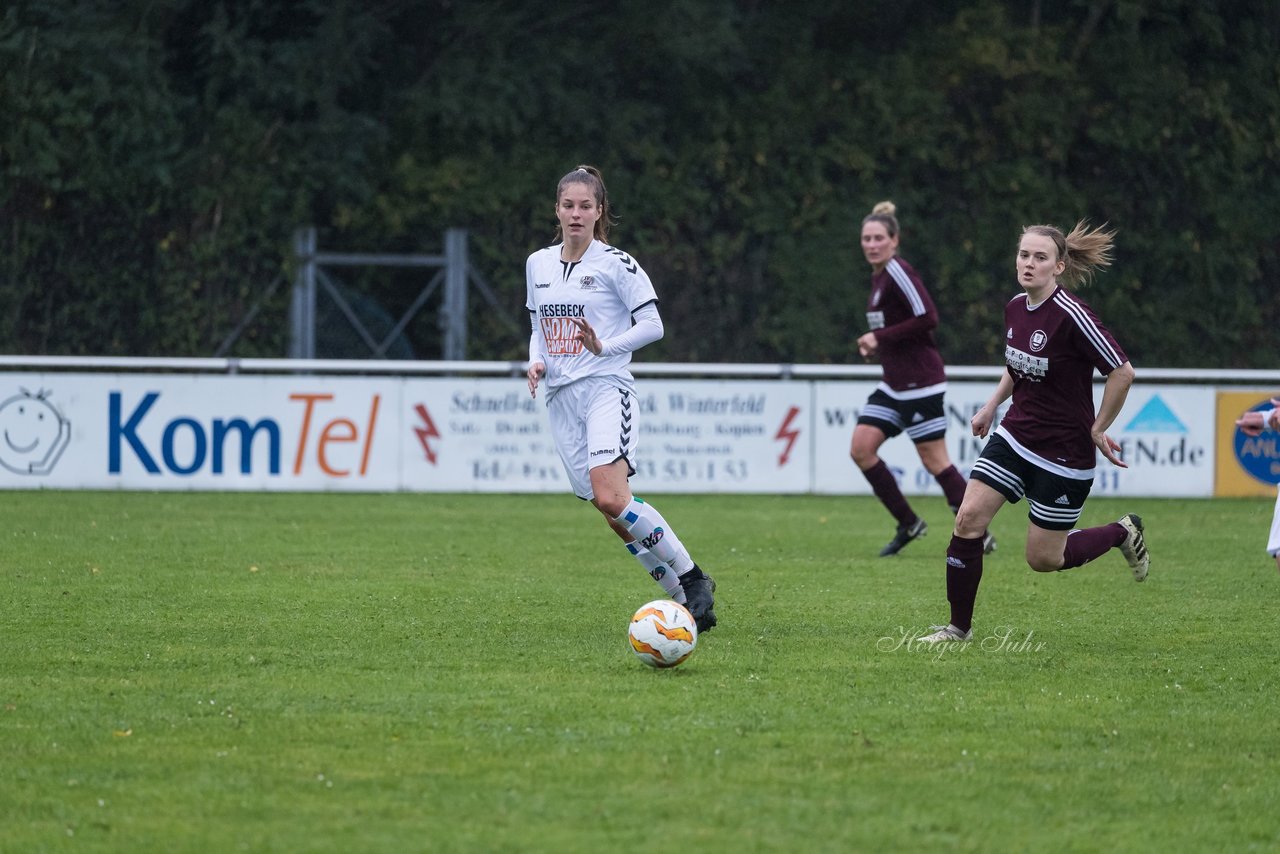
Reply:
x=1134, y=546
x=945, y=633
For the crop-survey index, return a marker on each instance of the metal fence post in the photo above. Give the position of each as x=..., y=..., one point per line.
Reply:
x=454, y=312
x=302, y=307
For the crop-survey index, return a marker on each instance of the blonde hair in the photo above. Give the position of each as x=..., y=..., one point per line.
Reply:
x=1083, y=252
x=590, y=176
x=883, y=213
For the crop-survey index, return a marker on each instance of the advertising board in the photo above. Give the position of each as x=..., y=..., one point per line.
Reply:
x=159, y=431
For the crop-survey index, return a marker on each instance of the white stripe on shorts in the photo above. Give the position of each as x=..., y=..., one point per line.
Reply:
x=1056, y=515
x=882, y=413
x=1000, y=475
x=924, y=428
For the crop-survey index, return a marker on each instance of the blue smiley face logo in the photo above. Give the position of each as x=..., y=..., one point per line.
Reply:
x=33, y=434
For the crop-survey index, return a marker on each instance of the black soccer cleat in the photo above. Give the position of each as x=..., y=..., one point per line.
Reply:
x=905, y=534
x=698, y=587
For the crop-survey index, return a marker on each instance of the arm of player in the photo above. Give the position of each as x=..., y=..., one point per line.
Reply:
x=1253, y=423
x=924, y=316
x=910, y=326
x=986, y=415
x=646, y=329
x=1113, y=397
x=869, y=343
x=537, y=356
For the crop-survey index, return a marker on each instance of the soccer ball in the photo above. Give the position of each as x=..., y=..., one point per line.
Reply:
x=662, y=633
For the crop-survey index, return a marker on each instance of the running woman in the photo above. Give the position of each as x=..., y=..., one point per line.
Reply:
x=1047, y=443
x=591, y=307
x=902, y=318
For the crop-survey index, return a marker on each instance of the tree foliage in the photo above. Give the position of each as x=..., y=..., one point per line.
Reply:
x=155, y=160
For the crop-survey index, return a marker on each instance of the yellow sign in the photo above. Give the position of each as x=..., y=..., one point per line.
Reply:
x=1245, y=466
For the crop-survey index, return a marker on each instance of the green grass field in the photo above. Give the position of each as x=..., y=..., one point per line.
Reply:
x=211, y=672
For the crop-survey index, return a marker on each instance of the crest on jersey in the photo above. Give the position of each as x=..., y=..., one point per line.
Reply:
x=1038, y=340
x=588, y=283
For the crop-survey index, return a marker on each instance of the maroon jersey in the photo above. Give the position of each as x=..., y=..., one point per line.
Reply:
x=1051, y=350
x=901, y=314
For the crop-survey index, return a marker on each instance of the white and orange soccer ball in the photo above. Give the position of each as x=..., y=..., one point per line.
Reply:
x=662, y=633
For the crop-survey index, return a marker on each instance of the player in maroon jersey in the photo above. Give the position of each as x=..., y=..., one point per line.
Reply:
x=1046, y=446
x=902, y=318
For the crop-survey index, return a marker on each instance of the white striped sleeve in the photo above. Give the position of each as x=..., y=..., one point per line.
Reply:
x=1092, y=333
x=907, y=287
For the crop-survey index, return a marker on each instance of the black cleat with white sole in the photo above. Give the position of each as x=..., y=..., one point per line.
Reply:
x=905, y=534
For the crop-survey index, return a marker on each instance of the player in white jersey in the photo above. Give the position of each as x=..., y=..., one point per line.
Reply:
x=591, y=306
x=1253, y=423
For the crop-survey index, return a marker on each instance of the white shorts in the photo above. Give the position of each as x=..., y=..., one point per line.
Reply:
x=593, y=423
x=1273, y=544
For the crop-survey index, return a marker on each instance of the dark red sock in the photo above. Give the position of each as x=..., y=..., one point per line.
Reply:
x=953, y=484
x=964, y=573
x=1088, y=543
x=886, y=489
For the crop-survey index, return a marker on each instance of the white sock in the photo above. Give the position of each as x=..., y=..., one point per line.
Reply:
x=653, y=533
x=658, y=569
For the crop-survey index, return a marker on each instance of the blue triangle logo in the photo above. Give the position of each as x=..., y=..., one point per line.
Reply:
x=1156, y=417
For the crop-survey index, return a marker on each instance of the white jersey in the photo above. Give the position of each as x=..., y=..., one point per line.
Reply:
x=605, y=287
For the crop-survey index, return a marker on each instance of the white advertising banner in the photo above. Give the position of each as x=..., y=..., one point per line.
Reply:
x=837, y=406
x=481, y=435
x=200, y=432
x=1166, y=433
x=724, y=436
x=324, y=433
x=166, y=431
x=490, y=436
x=1167, y=436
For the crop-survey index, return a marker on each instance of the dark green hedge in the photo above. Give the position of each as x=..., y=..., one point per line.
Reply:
x=155, y=159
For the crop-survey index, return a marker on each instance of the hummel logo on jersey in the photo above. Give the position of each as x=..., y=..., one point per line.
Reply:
x=588, y=283
x=1062, y=499
x=543, y=285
